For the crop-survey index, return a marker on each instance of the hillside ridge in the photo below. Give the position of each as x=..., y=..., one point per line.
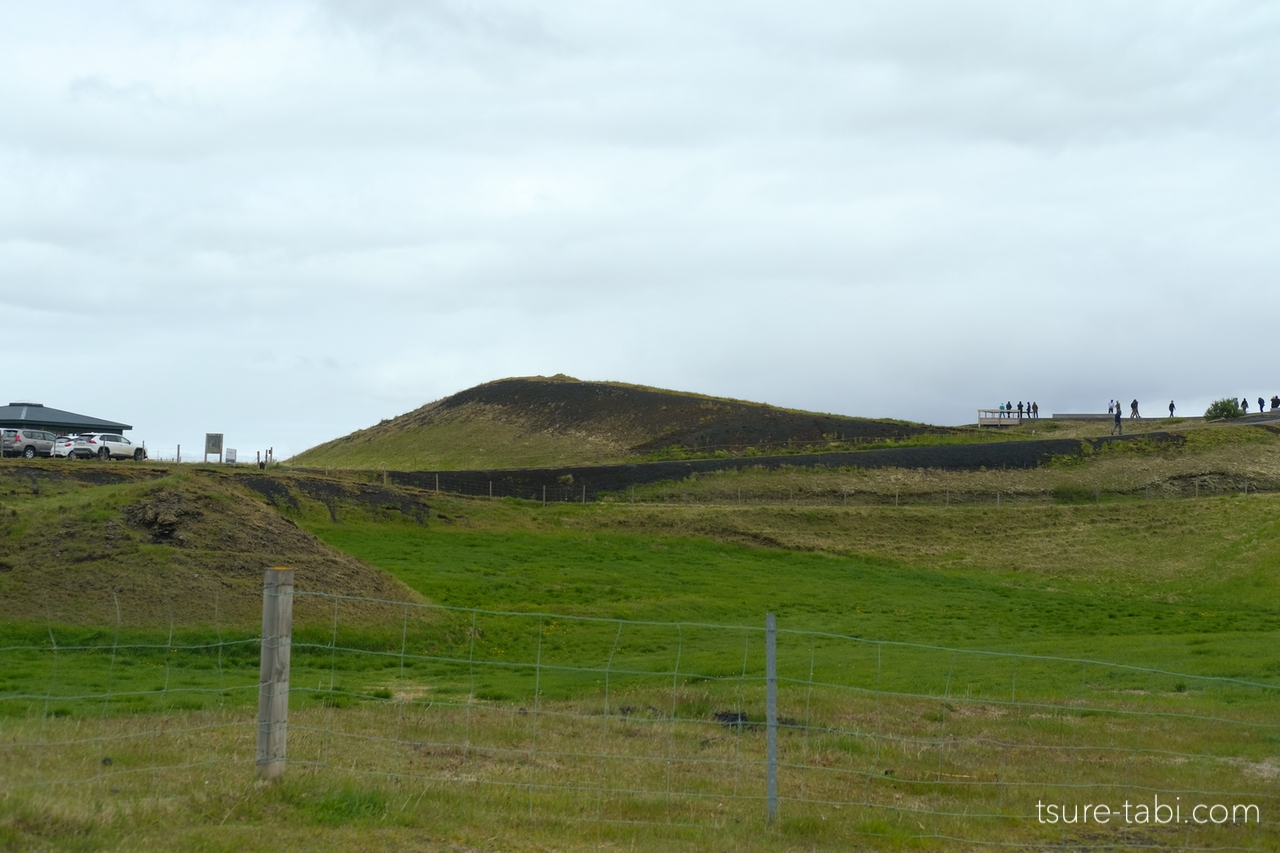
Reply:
x=538, y=421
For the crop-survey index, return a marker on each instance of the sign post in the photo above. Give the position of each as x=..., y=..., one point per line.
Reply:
x=212, y=444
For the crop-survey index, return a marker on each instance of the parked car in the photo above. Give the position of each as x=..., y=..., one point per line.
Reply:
x=63, y=445
x=29, y=443
x=105, y=445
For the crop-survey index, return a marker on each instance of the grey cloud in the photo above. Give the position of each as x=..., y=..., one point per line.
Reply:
x=907, y=209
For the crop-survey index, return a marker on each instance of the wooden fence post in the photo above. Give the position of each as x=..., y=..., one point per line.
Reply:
x=273, y=681
x=771, y=714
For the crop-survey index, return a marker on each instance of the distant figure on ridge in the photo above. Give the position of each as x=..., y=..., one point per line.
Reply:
x=1244, y=404
x=1262, y=405
x=1035, y=411
x=1275, y=402
x=1118, y=426
x=1170, y=408
x=1019, y=410
x=1133, y=409
x=1111, y=406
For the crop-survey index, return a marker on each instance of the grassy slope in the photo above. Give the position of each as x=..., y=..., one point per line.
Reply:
x=469, y=439
x=1101, y=582
x=486, y=427
x=168, y=546
x=1208, y=461
x=1186, y=584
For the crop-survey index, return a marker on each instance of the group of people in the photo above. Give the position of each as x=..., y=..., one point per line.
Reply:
x=1262, y=404
x=1113, y=408
x=1032, y=410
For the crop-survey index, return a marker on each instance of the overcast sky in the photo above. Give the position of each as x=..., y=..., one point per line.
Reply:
x=286, y=221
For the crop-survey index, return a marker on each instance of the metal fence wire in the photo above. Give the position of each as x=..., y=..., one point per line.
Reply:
x=564, y=718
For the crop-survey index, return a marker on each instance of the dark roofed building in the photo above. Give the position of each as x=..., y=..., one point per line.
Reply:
x=40, y=416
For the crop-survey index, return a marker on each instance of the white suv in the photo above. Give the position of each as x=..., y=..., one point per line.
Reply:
x=105, y=445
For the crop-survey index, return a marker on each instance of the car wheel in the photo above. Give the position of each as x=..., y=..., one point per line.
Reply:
x=104, y=453
x=29, y=453
x=139, y=455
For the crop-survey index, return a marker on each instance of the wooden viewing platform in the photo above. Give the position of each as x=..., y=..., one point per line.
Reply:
x=1002, y=417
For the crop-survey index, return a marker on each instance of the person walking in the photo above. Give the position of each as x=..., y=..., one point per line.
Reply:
x=1133, y=409
x=1117, y=426
x=1111, y=406
x=1262, y=405
x=1244, y=404
x=1170, y=408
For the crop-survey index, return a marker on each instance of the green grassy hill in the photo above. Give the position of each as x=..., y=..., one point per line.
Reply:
x=156, y=545
x=540, y=421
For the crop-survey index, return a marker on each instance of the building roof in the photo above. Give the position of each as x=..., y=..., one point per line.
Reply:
x=39, y=415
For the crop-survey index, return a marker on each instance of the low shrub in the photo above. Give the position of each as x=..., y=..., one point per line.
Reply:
x=1227, y=407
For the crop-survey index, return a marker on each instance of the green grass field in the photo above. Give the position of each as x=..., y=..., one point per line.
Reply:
x=568, y=710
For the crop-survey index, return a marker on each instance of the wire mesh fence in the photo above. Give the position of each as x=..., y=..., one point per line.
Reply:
x=816, y=482
x=557, y=719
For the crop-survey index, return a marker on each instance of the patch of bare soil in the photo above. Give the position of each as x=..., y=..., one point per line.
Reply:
x=161, y=515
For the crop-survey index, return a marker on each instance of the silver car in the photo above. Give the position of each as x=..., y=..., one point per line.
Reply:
x=28, y=443
x=106, y=445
